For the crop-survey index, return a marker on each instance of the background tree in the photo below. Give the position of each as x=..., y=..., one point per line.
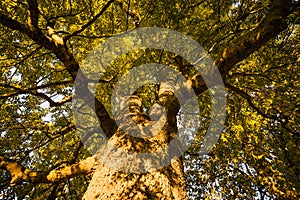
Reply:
x=255, y=46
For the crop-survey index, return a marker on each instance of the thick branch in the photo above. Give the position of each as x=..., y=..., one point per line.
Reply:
x=108, y=125
x=21, y=174
x=274, y=22
x=33, y=14
x=12, y=24
x=39, y=37
x=83, y=167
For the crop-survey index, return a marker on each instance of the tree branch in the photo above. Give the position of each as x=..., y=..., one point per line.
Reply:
x=248, y=98
x=274, y=22
x=50, y=101
x=85, y=26
x=39, y=37
x=5, y=85
x=108, y=125
x=33, y=14
x=21, y=174
x=271, y=25
x=33, y=92
x=12, y=24
x=54, y=84
x=83, y=167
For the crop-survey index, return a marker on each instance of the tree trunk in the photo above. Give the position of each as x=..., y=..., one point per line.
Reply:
x=137, y=162
x=166, y=183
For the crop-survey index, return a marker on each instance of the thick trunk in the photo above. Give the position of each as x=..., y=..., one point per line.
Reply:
x=166, y=183
x=140, y=169
x=138, y=161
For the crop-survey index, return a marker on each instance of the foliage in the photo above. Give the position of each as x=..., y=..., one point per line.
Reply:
x=257, y=155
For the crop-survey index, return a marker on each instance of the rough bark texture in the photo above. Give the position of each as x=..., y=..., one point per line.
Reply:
x=21, y=174
x=167, y=183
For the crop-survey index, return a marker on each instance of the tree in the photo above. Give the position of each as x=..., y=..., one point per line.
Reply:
x=255, y=47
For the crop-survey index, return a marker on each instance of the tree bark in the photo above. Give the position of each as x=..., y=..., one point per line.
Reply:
x=166, y=183
x=156, y=176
